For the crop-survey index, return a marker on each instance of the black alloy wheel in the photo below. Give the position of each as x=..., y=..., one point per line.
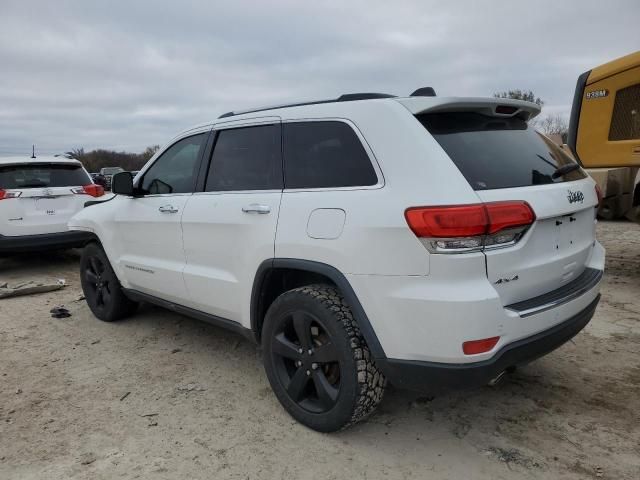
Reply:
x=316, y=360
x=101, y=287
x=307, y=362
x=98, y=283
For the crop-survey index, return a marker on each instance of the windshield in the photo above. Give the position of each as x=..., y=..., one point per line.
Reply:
x=42, y=175
x=496, y=152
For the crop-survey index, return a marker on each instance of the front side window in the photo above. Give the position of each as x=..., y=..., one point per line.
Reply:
x=176, y=169
x=325, y=154
x=39, y=175
x=246, y=158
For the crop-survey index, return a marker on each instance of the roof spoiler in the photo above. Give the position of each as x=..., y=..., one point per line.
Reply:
x=492, y=107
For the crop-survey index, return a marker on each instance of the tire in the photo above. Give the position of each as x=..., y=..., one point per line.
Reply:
x=101, y=287
x=316, y=360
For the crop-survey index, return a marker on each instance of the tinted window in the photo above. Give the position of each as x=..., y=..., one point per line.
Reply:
x=176, y=169
x=325, y=154
x=246, y=159
x=498, y=152
x=43, y=175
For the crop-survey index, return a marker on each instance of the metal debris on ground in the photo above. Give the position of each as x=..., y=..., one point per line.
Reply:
x=30, y=288
x=190, y=387
x=60, y=312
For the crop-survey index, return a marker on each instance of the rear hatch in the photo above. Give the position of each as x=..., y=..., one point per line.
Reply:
x=505, y=159
x=40, y=197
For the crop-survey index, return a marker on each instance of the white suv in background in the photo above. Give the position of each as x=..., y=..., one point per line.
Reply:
x=38, y=196
x=423, y=241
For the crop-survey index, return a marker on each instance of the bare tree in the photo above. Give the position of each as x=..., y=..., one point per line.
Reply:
x=553, y=125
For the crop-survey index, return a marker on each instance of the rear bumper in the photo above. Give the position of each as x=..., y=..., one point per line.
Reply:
x=432, y=376
x=46, y=241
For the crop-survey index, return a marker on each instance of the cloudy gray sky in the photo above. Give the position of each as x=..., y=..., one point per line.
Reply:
x=127, y=74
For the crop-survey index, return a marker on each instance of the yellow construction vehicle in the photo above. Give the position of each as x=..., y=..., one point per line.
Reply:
x=604, y=133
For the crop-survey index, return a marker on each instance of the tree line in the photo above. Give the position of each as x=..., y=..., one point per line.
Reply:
x=550, y=124
x=94, y=160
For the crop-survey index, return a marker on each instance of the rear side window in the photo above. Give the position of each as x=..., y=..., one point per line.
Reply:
x=246, y=158
x=324, y=155
x=498, y=152
x=43, y=175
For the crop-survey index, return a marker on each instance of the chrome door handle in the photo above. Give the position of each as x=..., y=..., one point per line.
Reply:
x=256, y=208
x=168, y=209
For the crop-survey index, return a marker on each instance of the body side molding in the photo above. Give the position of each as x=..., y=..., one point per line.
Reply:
x=235, y=327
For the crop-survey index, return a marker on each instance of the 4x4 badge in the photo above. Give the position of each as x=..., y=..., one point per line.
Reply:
x=575, y=197
x=506, y=280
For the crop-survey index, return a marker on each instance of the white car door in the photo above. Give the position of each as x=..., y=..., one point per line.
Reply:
x=148, y=230
x=229, y=228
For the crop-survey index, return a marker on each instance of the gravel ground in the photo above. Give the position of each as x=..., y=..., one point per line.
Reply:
x=164, y=396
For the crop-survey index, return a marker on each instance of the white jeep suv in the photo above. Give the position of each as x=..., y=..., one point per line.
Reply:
x=429, y=242
x=38, y=196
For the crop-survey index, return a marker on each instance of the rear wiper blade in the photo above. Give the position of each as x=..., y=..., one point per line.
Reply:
x=563, y=170
x=33, y=185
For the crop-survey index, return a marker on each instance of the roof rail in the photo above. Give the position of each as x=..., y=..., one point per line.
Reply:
x=347, y=97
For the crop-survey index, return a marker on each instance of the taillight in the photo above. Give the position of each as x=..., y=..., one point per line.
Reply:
x=599, y=195
x=464, y=228
x=91, y=189
x=5, y=194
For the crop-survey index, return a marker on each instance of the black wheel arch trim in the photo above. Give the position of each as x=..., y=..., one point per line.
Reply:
x=574, y=119
x=90, y=203
x=333, y=274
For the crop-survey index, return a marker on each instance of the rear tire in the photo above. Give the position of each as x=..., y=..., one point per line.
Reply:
x=101, y=287
x=316, y=360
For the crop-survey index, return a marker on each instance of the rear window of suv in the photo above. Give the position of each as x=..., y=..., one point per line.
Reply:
x=498, y=152
x=43, y=175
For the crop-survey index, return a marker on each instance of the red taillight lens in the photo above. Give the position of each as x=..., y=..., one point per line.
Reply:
x=4, y=194
x=479, y=346
x=504, y=215
x=480, y=225
x=94, y=190
x=91, y=189
x=447, y=222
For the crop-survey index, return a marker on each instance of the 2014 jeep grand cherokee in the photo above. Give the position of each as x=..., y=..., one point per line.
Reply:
x=423, y=241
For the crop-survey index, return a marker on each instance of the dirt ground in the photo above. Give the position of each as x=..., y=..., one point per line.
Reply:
x=163, y=396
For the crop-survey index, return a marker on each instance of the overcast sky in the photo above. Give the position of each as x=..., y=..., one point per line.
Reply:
x=124, y=75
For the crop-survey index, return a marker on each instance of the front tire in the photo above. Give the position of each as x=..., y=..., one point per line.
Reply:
x=101, y=287
x=316, y=360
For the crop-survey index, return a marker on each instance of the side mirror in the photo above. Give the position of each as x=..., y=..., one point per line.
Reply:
x=122, y=184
